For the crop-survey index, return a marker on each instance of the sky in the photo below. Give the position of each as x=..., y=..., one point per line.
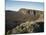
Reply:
x=16, y=5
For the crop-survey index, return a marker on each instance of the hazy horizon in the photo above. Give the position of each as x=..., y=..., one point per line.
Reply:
x=16, y=5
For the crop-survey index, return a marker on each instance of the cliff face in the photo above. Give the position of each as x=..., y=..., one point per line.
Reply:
x=13, y=19
x=31, y=14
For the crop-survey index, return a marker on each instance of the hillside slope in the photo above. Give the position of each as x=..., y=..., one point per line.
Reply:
x=15, y=19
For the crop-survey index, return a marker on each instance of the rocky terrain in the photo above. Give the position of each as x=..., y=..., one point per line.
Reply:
x=24, y=21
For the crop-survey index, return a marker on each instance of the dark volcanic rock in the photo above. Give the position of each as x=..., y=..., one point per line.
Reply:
x=39, y=27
